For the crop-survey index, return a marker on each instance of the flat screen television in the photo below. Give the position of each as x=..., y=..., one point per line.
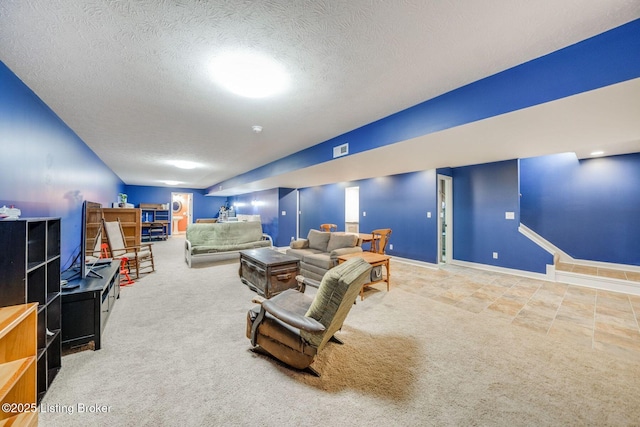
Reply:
x=91, y=239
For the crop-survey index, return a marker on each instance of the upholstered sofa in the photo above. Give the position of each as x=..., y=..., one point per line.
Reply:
x=319, y=252
x=211, y=240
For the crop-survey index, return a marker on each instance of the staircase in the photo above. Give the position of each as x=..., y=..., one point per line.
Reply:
x=593, y=274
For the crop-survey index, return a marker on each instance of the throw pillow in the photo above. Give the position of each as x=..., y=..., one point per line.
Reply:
x=318, y=240
x=338, y=241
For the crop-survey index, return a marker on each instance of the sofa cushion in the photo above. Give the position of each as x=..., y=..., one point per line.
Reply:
x=301, y=253
x=318, y=240
x=214, y=249
x=337, y=241
x=322, y=260
x=299, y=244
x=224, y=234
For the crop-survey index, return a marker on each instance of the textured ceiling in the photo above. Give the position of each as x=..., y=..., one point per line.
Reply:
x=132, y=76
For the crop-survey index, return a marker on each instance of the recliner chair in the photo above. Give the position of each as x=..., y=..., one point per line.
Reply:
x=294, y=328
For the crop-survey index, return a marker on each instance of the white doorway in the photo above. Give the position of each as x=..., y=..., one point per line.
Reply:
x=445, y=218
x=181, y=212
x=352, y=209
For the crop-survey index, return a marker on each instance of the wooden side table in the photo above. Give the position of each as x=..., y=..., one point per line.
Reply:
x=375, y=260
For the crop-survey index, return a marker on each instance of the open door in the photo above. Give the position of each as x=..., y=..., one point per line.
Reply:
x=352, y=209
x=445, y=218
x=181, y=212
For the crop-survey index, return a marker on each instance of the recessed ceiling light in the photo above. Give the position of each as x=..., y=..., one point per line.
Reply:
x=171, y=182
x=597, y=153
x=256, y=129
x=183, y=164
x=249, y=75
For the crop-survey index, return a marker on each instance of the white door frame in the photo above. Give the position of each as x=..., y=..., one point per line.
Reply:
x=448, y=220
x=298, y=213
x=189, y=197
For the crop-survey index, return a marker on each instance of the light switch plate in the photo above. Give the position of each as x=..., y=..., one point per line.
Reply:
x=510, y=215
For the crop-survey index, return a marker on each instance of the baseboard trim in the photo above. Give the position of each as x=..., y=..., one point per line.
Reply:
x=425, y=264
x=495, y=269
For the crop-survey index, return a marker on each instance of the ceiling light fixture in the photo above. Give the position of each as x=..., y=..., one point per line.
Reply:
x=249, y=75
x=597, y=153
x=256, y=128
x=171, y=182
x=183, y=164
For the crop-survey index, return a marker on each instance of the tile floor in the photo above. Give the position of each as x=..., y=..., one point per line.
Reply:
x=591, y=318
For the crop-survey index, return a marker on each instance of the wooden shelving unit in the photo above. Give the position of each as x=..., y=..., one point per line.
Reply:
x=131, y=220
x=30, y=272
x=18, y=364
x=155, y=222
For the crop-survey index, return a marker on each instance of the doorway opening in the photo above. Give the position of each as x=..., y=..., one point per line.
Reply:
x=352, y=209
x=445, y=218
x=181, y=212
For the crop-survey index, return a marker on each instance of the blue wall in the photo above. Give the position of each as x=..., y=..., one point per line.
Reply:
x=323, y=204
x=287, y=223
x=399, y=202
x=269, y=204
x=45, y=168
x=481, y=196
x=590, y=208
x=264, y=203
x=203, y=206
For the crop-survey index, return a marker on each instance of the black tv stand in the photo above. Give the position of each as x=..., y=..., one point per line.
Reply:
x=92, y=270
x=86, y=308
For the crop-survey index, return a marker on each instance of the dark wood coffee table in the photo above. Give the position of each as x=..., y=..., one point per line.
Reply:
x=267, y=271
x=375, y=260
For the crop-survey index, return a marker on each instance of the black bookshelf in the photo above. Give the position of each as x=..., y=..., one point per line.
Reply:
x=30, y=272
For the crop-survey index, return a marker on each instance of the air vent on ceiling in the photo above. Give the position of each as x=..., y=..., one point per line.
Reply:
x=341, y=150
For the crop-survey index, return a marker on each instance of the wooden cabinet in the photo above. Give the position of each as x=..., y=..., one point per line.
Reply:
x=131, y=220
x=18, y=365
x=30, y=272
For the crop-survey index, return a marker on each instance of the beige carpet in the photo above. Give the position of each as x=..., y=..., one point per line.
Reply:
x=174, y=353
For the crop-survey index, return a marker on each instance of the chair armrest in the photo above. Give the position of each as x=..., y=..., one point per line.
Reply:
x=299, y=244
x=267, y=237
x=303, y=282
x=293, y=319
x=138, y=247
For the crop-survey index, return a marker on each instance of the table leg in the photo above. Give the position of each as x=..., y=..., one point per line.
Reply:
x=388, y=275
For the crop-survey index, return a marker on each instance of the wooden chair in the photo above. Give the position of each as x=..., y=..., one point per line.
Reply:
x=138, y=257
x=380, y=240
x=328, y=227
